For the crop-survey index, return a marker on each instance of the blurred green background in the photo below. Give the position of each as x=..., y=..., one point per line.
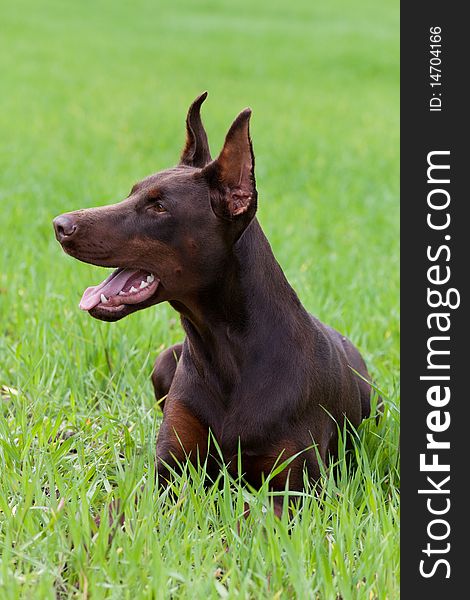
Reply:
x=94, y=97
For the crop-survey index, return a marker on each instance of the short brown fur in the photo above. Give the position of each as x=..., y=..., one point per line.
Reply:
x=256, y=370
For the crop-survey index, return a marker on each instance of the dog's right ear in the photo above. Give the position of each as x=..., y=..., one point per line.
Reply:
x=231, y=177
x=196, y=152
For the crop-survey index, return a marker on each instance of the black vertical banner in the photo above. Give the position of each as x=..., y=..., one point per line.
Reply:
x=435, y=355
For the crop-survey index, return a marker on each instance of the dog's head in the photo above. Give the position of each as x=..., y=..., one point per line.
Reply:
x=172, y=236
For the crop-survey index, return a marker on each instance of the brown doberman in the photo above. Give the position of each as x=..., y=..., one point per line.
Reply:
x=255, y=368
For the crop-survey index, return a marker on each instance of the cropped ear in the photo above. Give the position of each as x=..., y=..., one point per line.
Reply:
x=196, y=152
x=231, y=177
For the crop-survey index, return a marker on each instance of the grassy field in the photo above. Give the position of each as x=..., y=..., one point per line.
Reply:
x=94, y=96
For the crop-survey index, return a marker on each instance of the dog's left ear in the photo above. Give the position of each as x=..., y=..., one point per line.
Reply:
x=196, y=151
x=231, y=177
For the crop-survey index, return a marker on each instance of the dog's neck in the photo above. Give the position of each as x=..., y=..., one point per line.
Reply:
x=250, y=306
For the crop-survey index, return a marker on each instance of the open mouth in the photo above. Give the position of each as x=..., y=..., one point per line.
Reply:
x=123, y=286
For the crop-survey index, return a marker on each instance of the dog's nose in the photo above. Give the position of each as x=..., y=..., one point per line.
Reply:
x=65, y=227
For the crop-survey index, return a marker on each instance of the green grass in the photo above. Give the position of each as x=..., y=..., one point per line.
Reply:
x=94, y=96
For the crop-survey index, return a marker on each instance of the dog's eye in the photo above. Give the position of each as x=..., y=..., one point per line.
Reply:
x=158, y=207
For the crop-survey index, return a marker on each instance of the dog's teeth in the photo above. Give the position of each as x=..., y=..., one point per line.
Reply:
x=121, y=293
x=103, y=299
x=143, y=284
x=150, y=278
x=133, y=289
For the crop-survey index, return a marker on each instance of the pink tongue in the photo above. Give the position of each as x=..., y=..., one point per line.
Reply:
x=110, y=287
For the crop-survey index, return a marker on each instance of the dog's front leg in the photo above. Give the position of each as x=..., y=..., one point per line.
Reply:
x=164, y=371
x=182, y=436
